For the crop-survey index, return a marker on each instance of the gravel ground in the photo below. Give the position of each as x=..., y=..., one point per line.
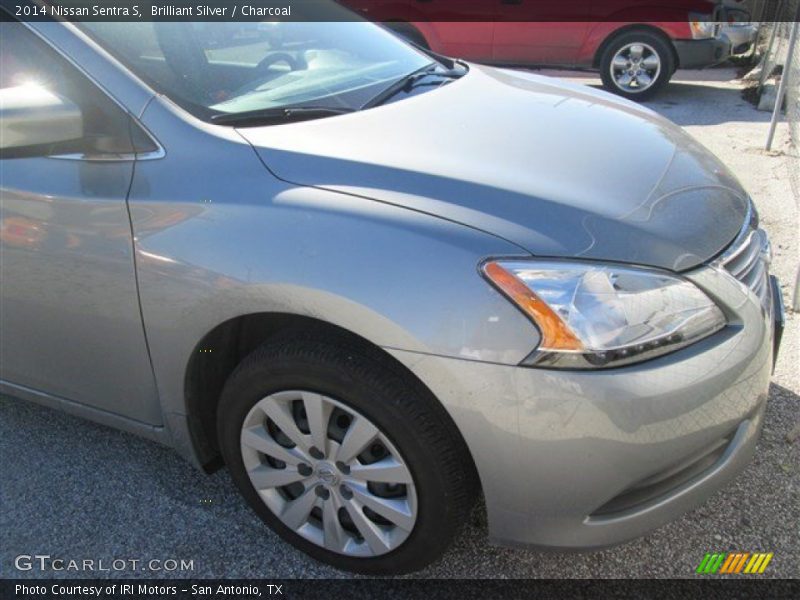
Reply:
x=73, y=489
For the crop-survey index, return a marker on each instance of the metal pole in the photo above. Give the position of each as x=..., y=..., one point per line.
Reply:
x=758, y=11
x=796, y=300
x=762, y=10
x=787, y=70
x=775, y=24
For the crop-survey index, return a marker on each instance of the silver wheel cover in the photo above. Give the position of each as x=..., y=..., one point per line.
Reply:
x=328, y=473
x=635, y=67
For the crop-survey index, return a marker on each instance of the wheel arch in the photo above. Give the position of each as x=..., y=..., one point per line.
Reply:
x=634, y=27
x=223, y=348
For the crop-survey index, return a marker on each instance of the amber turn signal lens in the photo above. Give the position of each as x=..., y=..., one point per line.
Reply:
x=556, y=335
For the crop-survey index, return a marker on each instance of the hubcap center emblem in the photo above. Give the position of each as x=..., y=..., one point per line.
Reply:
x=327, y=474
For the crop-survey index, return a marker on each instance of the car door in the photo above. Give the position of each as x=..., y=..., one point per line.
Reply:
x=70, y=324
x=543, y=32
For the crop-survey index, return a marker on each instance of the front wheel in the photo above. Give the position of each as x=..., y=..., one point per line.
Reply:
x=344, y=457
x=637, y=65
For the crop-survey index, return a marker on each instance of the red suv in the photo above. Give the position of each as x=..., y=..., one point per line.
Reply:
x=636, y=44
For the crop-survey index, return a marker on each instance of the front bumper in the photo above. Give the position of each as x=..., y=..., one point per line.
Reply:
x=741, y=36
x=698, y=54
x=589, y=459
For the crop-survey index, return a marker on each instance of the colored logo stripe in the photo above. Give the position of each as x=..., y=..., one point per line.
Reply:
x=734, y=562
x=759, y=562
x=711, y=563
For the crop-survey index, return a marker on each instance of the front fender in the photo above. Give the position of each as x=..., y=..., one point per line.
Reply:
x=218, y=237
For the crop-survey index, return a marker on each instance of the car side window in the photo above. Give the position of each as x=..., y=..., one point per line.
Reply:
x=107, y=128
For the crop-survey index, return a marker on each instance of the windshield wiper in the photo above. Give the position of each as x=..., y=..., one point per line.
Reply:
x=265, y=116
x=407, y=82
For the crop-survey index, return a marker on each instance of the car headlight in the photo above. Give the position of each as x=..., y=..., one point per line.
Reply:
x=594, y=315
x=701, y=27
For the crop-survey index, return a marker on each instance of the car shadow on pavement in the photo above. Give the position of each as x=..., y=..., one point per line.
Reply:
x=692, y=104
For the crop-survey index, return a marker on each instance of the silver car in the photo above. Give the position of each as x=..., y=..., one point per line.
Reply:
x=378, y=283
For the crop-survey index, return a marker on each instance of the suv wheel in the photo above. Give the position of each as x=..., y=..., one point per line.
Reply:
x=343, y=457
x=636, y=65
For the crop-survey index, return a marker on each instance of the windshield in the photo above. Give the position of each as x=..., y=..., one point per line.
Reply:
x=229, y=68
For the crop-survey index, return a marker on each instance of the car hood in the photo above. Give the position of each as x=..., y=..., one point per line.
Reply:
x=560, y=170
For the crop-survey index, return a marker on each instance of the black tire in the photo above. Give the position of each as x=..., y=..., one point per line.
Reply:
x=661, y=47
x=416, y=424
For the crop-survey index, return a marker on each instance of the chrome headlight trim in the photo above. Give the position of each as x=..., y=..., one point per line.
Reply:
x=594, y=315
